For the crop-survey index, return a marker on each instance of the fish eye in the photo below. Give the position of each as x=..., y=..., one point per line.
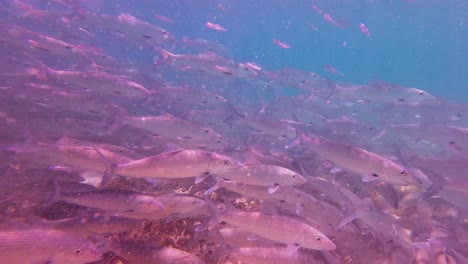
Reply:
x=421, y=93
x=318, y=239
x=207, y=131
x=402, y=172
x=78, y=251
x=226, y=162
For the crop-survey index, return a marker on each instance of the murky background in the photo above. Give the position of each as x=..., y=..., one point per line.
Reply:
x=233, y=132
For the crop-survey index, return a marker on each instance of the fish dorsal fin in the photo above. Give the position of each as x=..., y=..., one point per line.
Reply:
x=172, y=148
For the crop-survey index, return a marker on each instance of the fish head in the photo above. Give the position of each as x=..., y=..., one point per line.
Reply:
x=78, y=251
x=206, y=133
x=417, y=95
x=220, y=164
x=290, y=177
x=316, y=240
x=396, y=174
x=246, y=71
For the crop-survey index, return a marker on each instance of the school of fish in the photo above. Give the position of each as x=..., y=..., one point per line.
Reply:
x=188, y=156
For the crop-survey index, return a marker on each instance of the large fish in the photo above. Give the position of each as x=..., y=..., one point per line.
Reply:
x=114, y=201
x=265, y=175
x=369, y=165
x=179, y=164
x=283, y=229
x=33, y=246
x=144, y=253
x=170, y=126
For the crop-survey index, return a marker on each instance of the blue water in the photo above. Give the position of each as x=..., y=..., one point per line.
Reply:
x=422, y=43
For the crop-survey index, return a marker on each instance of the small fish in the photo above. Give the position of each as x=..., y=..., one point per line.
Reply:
x=163, y=18
x=281, y=44
x=332, y=70
x=312, y=26
x=317, y=9
x=364, y=29
x=215, y=26
x=328, y=18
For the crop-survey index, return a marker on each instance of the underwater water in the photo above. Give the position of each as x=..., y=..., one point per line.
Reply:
x=233, y=131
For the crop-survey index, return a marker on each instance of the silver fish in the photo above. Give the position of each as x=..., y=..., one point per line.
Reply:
x=369, y=165
x=279, y=228
x=46, y=246
x=178, y=164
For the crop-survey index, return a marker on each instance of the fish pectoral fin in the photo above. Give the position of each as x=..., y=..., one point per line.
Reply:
x=201, y=178
x=370, y=177
x=299, y=208
x=213, y=188
x=253, y=237
x=273, y=188
x=171, y=153
x=61, y=168
x=292, y=248
x=349, y=217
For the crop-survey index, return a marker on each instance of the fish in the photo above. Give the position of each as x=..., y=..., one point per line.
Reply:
x=147, y=253
x=163, y=18
x=46, y=245
x=332, y=70
x=176, y=206
x=169, y=126
x=279, y=228
x=215, y=26
x=113, y=201
x=265, y=175
x=98, y=82
x=269, y=255
x=369, y=165
x=281, y=44
x=83, y=158
x=364, y=29
x=178, y=164
x=209, y=63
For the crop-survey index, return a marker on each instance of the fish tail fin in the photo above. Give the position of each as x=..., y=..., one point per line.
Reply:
x=218, y=184
x=299, y=139
x=116, y=119
x=56, y=194
x=438, y=183
x=211, y=225
x=109, y=171
x=39, y=69
x=349, y=217
x=164, y=55
x=212, y=221
x=77, y=13
x=235, y=114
